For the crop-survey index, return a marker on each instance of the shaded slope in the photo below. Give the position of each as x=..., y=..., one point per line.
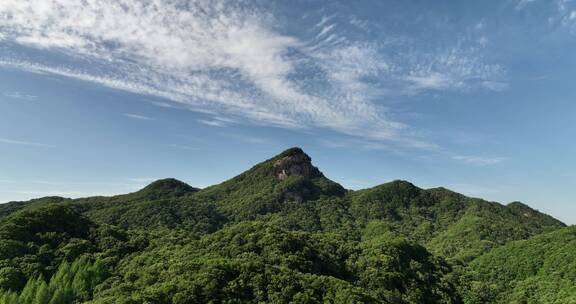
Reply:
x=541, y=269
x=34, y=242
x=164, y=203
x=167, y=203
x=256, y=262
x=450, y=224
x=11, y=207
x=163, y=189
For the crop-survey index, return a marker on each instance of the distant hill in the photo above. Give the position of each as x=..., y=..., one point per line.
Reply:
x=541, y=269
x=449, y=224
x=280, y=232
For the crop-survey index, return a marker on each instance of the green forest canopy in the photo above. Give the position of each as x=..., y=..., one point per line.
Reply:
x=282, y=232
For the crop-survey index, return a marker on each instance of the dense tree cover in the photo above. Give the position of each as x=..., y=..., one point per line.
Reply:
x=33, y=243
x=71, y=282
x=281, y=232
x=163, y=203
x=11, y=207
x=262, y=190
x=257, y=262
x=448, y=223
x=541, y=269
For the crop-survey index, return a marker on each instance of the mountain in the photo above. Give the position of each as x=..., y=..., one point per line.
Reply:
x=163, y=189
x=267, y=187
x=447, y=223
x=280, y=232
x=36, y=241
x=541, y=269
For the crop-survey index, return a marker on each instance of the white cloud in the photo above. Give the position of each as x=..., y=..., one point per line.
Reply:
x=20, y=95
x=460, y=68
x=431, y=80
x=325, y=30
x=21, y=143
x=213, y=123
x=523, y=3
x=562, y=12
x=479, y=161
x=359, y=23
x=137, y=116
x=232, y=59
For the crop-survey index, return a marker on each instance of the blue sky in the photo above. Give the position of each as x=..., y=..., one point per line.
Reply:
x=104, y=97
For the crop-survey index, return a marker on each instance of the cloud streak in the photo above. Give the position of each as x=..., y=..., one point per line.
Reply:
x=233, y=59
x=137, y=116
x=22, y=143
x=20, y=95
x=478, y=161
x=558, y=12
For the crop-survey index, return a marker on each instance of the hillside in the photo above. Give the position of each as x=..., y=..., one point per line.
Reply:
x=541, y=269
x=448, y=223
x=280, y=232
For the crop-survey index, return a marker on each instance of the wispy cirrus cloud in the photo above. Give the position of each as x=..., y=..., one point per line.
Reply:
x=213, y=123
x=455, y=69
x=478, y=160
x=558, y=12
x=235, y=59
x=137, y=116
x=20, y=95
x=217, y=121
x=21, y=143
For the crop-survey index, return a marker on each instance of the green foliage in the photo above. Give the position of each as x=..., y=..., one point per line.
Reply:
x=11, y=278
x=260, y=190
x=257, y=262
x=402, y=272
x=44, y=225
x=71, y=283
x=282, y=232
x=539, y=270
x=447, y=223
x=11, y=207
x=36, y=241
x=165, y=203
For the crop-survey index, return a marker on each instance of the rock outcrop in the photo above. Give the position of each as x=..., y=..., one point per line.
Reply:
x=295, y=163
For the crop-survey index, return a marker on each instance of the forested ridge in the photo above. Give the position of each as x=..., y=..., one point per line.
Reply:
x=282, y=232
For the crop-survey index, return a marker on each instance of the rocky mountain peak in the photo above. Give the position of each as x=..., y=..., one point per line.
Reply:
x=294, y=162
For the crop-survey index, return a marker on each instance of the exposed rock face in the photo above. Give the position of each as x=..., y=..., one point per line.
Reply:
x=295, y=164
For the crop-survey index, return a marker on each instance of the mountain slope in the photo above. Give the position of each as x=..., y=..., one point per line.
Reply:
x=265, y=188
x=163, y=203
x=288, y=185
x=289, y=190
x=282, y=232
x=541, y=269
x=449, y=224
x=255, y=262
x=34, y=242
